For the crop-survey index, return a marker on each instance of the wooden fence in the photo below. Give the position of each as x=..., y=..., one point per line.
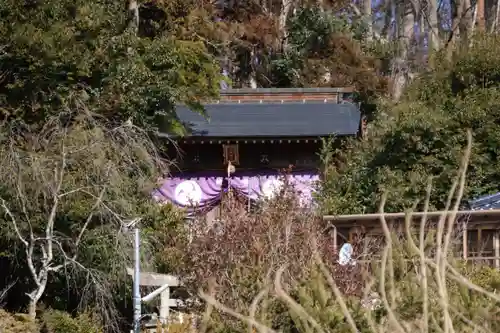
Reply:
x=478, y=232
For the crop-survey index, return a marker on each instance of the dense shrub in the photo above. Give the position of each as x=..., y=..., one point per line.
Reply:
x=62, y=322
x=422, y=137
x=52, y=321
x=238, y=260
x=16, y=323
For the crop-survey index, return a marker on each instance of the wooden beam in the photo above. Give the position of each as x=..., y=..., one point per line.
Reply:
x=464, y=241
x=472, y=259
x=496, y=247
x=479, y=238
x=359, y=217
x=155, y=279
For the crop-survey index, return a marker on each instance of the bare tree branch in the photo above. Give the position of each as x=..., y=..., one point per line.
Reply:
x=4, y=291
x=89, y=218
x=58, y=176
x=14, y=222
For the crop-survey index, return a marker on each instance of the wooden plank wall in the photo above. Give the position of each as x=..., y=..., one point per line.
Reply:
x=480, y=240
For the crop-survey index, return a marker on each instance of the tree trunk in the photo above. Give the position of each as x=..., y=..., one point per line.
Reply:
x=286, y=6
x=424, y=26
x=494, y=24
x=32, y=308
x=367, y=13
x=466, y=22
x=481, y=24
x=405, y=16
x=432, y=15
x=490, y=9
x=473, y=25
x=252, y=80
x=41, y=284
x=456, y=14
x=133, y=16
x=386, y=29
x=35, y=298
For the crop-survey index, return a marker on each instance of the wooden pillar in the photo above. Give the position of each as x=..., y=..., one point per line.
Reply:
x=496, y=247
x=335, y=241
x=159, y=280
x=464, y=241
x=165, y=306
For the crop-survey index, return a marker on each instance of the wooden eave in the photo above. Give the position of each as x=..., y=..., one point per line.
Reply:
x=249, y=140
x=490, y=218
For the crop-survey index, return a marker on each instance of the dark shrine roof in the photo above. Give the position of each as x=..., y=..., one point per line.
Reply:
x=290, y=119
x=486, y=202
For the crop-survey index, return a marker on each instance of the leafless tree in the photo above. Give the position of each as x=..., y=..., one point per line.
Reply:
x=66, y=186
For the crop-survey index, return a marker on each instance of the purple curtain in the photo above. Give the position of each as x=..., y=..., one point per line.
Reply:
x=204, y=191
x=194, y=192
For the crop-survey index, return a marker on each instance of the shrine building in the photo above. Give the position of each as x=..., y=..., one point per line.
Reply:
x=255, y=134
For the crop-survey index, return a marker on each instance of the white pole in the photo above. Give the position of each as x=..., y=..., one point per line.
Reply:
x=164, y=306
x=136, y=288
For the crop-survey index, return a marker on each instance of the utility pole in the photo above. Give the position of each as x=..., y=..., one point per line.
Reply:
x=136, y=285
x=163, y=281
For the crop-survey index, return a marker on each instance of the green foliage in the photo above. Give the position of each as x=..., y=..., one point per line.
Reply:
x=311, y=28
x=72, y=73
x=101, y=179
x=407, y=294
x=52, y=322
x=316, y=299
x=422, y=138
x=166, y=236
x=62, y=322
x=483, y=276
x=322, y=41
x=63, y=54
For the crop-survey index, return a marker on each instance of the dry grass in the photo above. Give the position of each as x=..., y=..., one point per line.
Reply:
x=418, y=288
